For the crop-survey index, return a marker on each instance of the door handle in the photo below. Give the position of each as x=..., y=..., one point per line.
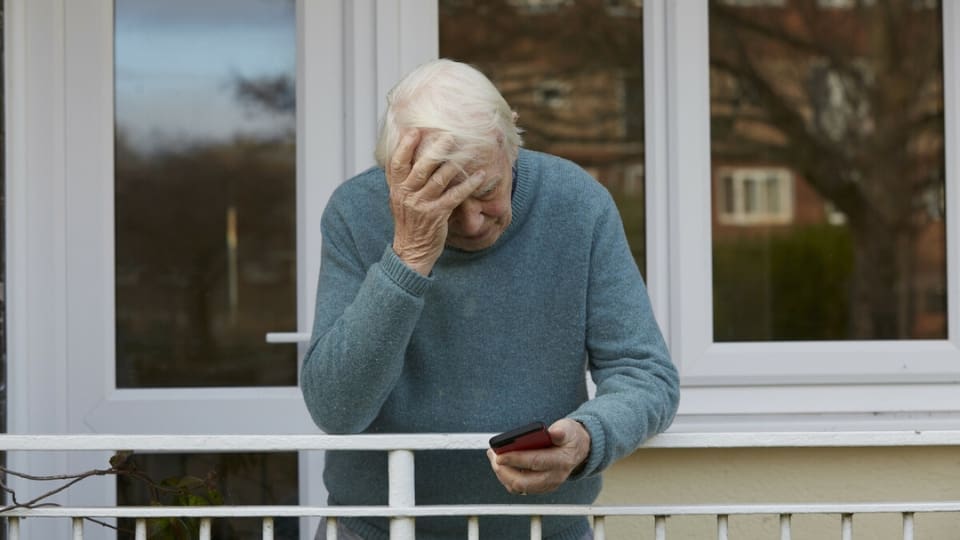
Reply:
x=288, y=337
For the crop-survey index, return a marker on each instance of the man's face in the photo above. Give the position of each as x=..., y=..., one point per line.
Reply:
x=480, y=220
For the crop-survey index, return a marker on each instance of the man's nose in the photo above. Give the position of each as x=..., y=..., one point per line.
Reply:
x=468, y=218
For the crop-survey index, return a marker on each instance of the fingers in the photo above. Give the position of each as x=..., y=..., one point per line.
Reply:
x=430, y=169
x=458, y=193
x=402, y=160
x=529, y=472
x=536, y=460
x=439, y=180
x=524, y=481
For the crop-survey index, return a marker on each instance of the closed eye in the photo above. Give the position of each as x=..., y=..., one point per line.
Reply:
x=487, y=190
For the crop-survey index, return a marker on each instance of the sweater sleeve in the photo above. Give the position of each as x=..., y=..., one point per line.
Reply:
x=362, y=325
x=638, y=389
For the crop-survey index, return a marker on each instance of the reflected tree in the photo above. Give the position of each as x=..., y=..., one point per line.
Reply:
x=852, y=101
x=173, y=253
x=574, y=73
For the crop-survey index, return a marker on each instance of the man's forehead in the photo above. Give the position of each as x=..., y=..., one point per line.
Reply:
x=481, y=156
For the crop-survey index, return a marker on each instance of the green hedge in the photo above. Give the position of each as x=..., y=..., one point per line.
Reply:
x=791, y=285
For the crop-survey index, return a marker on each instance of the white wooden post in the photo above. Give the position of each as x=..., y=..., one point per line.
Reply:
x=599, y=528
x=785, y=527
x=402, y=493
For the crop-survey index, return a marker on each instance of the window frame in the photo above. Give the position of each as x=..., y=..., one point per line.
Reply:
x=815, y=384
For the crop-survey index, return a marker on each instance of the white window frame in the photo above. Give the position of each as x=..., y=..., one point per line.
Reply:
x=781, y=385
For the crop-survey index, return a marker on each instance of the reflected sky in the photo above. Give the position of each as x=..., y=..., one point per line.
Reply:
x=177, y=63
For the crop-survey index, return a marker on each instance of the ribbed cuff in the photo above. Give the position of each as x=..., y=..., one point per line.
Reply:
x=597, y=446
x=401, y=274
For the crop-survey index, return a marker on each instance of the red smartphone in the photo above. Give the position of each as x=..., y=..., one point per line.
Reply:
x=529, y=437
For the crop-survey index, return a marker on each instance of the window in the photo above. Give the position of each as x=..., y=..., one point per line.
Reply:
x=788, y=302
x=204, y=125
x=752, y=196
x=579, y=94
x=824, y=98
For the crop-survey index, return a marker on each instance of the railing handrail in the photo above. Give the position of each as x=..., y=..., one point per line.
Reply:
x=403, y=512
x=485, y=510
x=454, y=441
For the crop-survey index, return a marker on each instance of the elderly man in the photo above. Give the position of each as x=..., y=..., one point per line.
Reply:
x=466, y=285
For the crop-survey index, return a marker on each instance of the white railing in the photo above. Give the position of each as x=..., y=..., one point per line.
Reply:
x=402, y=510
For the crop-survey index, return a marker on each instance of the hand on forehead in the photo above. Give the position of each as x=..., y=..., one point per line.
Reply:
x=442, y=146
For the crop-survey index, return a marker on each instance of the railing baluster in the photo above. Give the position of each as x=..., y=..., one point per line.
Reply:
x=722, y=527
x=599, y=528
x=268, y=528
x=205, y=527
x=402, y=492
x=660, y=527
x=536, y=527
x=77, y=528
x=846, y=527
x=473, y=528
x=13, y=528
x=785, y=527
x=332, y=528
x=140, y=529
x=908, y=526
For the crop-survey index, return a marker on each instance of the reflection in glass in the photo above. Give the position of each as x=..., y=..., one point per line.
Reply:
x=574, y=73
x=205, y=192
x=210, y=479
x=847, y=241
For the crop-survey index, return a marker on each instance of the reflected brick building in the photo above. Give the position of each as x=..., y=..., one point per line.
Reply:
x=795, y=112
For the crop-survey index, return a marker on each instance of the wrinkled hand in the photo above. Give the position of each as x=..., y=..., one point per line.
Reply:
x=422, y=200
x=542, y=471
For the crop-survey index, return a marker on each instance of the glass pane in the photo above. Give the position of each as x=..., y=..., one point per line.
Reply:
x=773, y=195
x=573, y=70
x=205, y=192
x=211, y=479
x=846, y=101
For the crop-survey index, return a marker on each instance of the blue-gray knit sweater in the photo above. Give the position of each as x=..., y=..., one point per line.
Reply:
x=490, y=340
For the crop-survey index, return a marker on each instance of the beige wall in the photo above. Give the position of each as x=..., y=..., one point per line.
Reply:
x=785, y=475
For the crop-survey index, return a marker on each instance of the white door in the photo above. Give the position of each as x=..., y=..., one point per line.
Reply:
x=164, y=207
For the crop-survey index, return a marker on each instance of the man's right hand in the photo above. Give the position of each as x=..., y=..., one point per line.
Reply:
x=422, y=199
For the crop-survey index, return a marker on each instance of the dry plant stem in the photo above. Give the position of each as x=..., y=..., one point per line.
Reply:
x=155, y=488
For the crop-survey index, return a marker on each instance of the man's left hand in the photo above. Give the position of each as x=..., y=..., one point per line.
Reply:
x=542, y=471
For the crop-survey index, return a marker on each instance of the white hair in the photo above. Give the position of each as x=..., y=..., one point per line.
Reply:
x=443, y=97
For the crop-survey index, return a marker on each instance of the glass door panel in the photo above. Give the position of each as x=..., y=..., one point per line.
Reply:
x=211, y=479
x=205, y=200
x=827, y=126
x=573, y=71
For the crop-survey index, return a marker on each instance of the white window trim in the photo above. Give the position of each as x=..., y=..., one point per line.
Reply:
x=816, y=384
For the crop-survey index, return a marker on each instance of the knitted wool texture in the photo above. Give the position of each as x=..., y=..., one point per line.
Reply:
x=490, y=340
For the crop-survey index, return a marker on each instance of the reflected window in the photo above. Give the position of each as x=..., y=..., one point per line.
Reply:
x=755, y=196
x=827, y=147
x=204, y=192
x=574, y=74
